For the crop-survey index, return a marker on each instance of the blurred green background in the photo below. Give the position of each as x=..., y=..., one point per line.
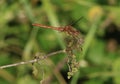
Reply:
x=20, y=41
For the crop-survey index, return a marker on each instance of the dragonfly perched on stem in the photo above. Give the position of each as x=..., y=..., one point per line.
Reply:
x=74, y=42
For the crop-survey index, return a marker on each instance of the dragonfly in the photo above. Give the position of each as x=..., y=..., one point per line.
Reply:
x=68, y=29
x=74, y=43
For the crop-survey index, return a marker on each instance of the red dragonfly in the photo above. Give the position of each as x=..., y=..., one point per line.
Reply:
x=68, y=29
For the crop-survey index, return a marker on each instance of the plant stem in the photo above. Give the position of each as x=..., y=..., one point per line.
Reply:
x=53, y=20
x=90, y=37
x=29, y=45
x=32, y=61
x=91, y=34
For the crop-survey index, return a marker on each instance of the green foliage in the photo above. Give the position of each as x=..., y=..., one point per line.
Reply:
x=99, y=61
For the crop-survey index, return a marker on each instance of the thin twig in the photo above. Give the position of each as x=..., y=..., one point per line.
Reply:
x=32, y=61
